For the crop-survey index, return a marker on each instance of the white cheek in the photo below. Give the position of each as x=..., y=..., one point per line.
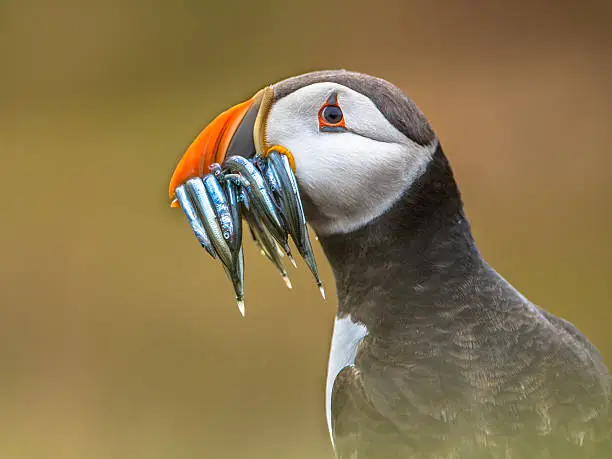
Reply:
x=350, y=178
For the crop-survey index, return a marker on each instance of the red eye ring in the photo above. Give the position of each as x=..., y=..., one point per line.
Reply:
x=331, y=118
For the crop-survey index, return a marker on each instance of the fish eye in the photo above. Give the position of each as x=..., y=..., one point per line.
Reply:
x=332, y=114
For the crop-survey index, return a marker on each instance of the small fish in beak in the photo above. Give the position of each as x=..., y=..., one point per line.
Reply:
x=209, y=208
x=194, y=220
x=288, y=195
x=217, y=183
x=236, y=275
x=261, y=201
x=264, y=239
x=204, y=205
x=229, y=220
x=222, y=210
x=232, y=191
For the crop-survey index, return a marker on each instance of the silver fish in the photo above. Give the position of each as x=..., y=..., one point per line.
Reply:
x=293, y=211
x=237, y=179
x=196, y=189
x=194, y=221
x=222, y=209
x=264, y=240
x=274, y=188
x=239, y=282
x=283, y=197
x=288, y=194
x=216, y=170
x=261, y=201
x=216, y=216
x=232, y=192
x=236, y=275
x=271, y=178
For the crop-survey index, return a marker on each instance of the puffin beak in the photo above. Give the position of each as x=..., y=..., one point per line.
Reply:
x=237, y=131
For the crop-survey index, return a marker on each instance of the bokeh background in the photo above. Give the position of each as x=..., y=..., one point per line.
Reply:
x=119, y=337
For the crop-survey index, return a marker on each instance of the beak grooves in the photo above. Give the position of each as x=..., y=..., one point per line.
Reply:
x=237, y=131
x=259, y=129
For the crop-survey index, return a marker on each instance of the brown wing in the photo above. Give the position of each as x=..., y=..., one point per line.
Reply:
x=539, y=399
x=359, y=430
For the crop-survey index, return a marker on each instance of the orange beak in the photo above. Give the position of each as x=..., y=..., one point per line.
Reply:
x=237, y=131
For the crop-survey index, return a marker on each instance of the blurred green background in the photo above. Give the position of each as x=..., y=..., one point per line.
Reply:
x=119, y=337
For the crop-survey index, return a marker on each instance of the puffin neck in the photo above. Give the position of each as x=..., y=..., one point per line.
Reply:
x=398, y=264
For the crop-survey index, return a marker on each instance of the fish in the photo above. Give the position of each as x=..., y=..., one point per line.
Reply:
x=194, y=221
x=196, y=189
x=233, y=188
x=264, y=240
x=236, y=275
x=264, y=192
x=284, y=200
x=261, y=202
x=232, y=193
x=218, y=221
x=239, y=282
x=291, y=208
x=270, y=175
x=222, y=209
x=274, y=188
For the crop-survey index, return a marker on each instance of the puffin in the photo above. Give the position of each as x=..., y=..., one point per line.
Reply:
x=434, y=355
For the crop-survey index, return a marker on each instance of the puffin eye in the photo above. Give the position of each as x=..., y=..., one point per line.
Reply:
x=332, y=114
x=331, y=118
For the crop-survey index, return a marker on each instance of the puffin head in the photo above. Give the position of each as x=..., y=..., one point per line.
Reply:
x=356, y=143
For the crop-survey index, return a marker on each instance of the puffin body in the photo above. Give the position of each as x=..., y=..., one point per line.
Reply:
x=447, y=359
x=433, y=354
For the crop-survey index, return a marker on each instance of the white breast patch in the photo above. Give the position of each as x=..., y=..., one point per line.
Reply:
x=346, y=337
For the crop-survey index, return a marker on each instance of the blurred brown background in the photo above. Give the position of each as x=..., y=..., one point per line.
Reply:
x=119, y=337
